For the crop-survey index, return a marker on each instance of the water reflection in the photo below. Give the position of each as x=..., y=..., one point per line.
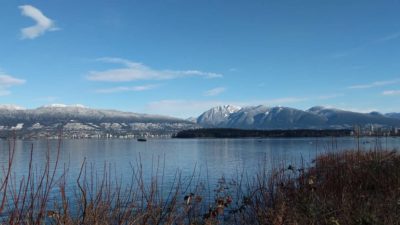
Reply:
x=218, y=156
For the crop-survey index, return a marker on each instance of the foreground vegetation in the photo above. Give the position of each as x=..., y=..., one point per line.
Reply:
x=352, y=187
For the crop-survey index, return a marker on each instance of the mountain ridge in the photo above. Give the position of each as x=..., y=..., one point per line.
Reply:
x=279, y=117
x=84, y=122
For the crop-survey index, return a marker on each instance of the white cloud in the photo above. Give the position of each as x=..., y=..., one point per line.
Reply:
x=391, y=92
x=133, y=71
x=214, y=91
x=360, y=110
x=233, y=69
x=125, y=62
x=126, y=89
x=43, y=23
x=7, y=81
x=374, y=84
x=325, y=97
x=11, y=107
x=61, y=105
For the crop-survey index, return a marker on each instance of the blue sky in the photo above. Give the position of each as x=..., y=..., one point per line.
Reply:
x=181, y=57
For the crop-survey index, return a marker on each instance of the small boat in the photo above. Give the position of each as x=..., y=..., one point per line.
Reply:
x=141, y=139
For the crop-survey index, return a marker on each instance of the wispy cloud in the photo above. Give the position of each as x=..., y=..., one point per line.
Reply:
x=233, y=69
x=11, y=107
x=348, y=52
x=43, y=23
x=214, y=91
x=288, y=100
x=389, y=37
x=360, y=110
x=361, y=47
x=127, y=89
x=374, y=84
x=391, y=92
x=331, y=96
x=133, y=71
x=7, y=81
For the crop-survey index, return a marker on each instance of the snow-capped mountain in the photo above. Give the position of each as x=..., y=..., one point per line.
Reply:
x=337, y=117
x=258, y=117
x=78, y=118
x=81, y=121
x=63, y=113
x=263, y=117
x=217, y=116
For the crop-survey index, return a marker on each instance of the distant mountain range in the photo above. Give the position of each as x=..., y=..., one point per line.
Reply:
x=79, y=121
x=393, y=115
x=264, y=117
x=63, y=113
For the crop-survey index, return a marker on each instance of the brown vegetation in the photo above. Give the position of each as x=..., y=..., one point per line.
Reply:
x=352, y=187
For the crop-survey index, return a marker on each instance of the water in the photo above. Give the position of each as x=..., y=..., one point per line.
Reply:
x=212, y=157
x=207, y=159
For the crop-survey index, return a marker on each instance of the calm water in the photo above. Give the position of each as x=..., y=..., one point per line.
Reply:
x=211, y=159
x=217, y=157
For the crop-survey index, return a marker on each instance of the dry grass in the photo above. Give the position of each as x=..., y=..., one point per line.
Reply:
x=353, y=187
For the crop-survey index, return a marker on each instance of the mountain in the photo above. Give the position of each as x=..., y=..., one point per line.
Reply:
x=78, y=121
x=337, y=117
x=264, y=117
x=258, y=117
x=393, y=115
x=82, y=120
x=217, y=116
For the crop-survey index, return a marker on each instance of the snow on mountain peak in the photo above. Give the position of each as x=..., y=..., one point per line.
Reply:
x=231, y=108
x=316, y=108
x=217, y=115
x=225, y=109
x=57, y=105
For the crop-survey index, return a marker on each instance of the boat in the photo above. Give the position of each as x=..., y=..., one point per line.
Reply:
x=141, y=139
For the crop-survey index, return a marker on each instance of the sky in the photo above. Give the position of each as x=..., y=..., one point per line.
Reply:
x=182, y=57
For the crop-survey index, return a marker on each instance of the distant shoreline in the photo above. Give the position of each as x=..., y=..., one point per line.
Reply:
x=240, y=133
